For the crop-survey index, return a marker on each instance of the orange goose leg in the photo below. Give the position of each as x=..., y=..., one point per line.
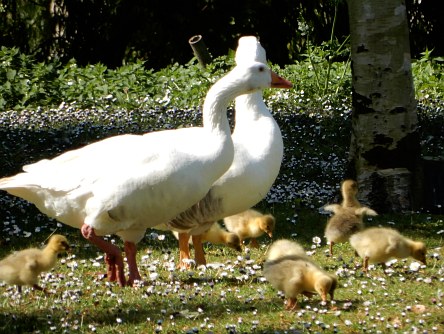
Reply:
x=199, y=254
x=184, y=250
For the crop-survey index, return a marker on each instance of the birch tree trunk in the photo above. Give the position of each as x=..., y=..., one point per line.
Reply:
x=385, y=149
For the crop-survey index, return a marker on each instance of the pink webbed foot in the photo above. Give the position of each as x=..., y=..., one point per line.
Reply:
x=111, y=271
x=113, y=256
x=131, y=251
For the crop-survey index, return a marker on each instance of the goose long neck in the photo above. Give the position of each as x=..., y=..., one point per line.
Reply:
x=253, y=101
x=216, y=103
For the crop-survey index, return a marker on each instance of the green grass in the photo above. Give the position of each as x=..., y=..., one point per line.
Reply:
x=233, y=298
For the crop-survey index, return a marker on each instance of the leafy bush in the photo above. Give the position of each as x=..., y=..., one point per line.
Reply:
x=428, y=76
x=320, y=83
x=26, y=83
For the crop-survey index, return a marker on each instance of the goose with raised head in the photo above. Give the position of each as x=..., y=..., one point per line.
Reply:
x=344, y=223
x=124, y=184
x=347, y=217
x=258, y=152
x=349, y=191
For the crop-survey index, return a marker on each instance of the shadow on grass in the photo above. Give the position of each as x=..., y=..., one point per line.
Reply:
x=24, y=323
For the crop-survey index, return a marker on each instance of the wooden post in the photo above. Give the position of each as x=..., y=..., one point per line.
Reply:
x=200, y=50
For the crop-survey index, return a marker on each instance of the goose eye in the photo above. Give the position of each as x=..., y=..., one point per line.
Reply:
x=261, y=68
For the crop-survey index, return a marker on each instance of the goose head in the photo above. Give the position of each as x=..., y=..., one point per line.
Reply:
x=245, y=78
x=249, y=49
x=257, y=76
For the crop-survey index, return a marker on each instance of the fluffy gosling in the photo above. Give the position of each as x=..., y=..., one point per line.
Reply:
x=348, y=216
x=290, y=270
x=218, y=235
x=379, y=244
x=349, y=190
x=250, y=224
x=344, y=223
x=24, y=267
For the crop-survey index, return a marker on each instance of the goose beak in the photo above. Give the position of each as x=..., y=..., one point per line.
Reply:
x=279, y=82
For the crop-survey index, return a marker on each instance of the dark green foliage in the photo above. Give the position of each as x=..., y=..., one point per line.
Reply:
x=113, y=32
x=25, y=82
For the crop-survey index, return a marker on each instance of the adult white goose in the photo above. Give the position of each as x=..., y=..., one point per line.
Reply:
x=124, y=184
x=258, y=152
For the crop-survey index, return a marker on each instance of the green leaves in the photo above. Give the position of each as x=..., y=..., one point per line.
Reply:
x=26, y=84
x=322, y=82
x=428, y=77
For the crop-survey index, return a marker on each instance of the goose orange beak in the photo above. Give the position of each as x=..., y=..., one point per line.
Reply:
x=279, y=82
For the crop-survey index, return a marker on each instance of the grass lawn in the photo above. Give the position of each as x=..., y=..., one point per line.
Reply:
x=230, y=295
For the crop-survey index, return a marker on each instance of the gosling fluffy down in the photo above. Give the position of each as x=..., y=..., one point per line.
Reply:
x=218, y=235
x=380, y=244
x=24, y=267
x=291, y=271
x=250, y=224
x=283, y=247
x=349, y=191
x=345, y=222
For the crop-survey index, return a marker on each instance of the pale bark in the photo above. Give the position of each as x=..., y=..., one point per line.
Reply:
x=385, y=134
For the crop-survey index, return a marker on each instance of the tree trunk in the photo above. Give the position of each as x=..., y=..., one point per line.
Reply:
x=385, y=155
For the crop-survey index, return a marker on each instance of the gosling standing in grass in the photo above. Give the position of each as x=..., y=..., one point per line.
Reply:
x=290, y=270
x=347, y=217
x=24, y=267
x=378, y=245
x=218, y=235
x=250, y=224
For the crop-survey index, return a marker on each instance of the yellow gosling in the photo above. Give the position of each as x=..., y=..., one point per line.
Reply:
x=294, y=273
x=250, y=224
x=24, y=267
x=379, y=244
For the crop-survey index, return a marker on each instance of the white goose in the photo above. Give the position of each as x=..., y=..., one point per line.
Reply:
x=124, y=184
x=258, y=152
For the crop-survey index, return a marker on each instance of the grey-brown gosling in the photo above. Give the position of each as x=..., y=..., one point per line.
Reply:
x=344, y=223
x=24, y=267
x=348, y=216
x=349, y=191
x=291, y=271
x=250, y=224
x=380, y=244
